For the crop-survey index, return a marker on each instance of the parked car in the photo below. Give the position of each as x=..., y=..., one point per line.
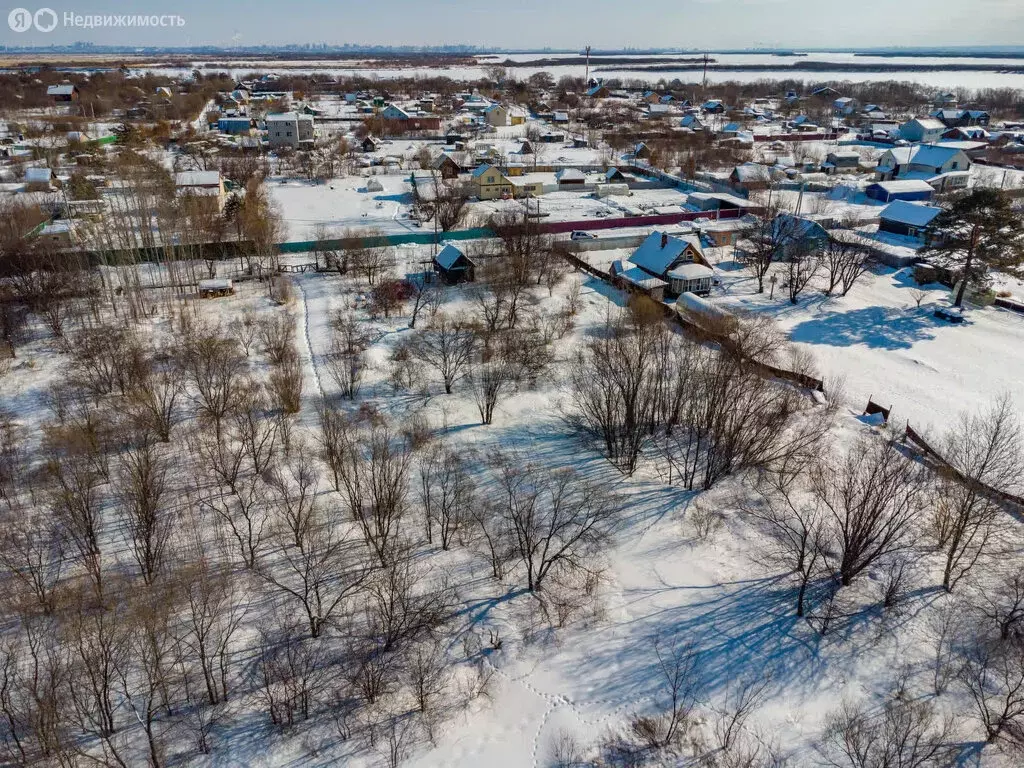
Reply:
x=950, y=314
x=579, y=234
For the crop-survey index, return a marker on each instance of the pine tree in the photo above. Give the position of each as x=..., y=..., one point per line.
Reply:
x=978, y=232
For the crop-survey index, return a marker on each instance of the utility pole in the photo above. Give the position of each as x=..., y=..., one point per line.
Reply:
x=586, y=74
x=704, y=86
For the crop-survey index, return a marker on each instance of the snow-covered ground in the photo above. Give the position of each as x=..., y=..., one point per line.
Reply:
x=661, y=581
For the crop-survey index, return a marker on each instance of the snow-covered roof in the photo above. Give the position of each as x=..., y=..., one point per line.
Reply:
x=570, y=174
x=914, y=214
x=38, y=175
x=447, y=256
x=691, y=271
x=283, y=117
x=904, y=185
x=927, y=123
x=655, y=258
x=752, y=172
x=923, y=154
x=640, y=278
x=197, y=179
x=65, y=89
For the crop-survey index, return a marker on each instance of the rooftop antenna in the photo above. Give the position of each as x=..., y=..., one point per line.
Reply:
x=586, y=76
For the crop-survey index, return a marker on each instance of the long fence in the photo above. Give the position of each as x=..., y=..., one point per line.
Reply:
x=918, y=444
x=705, y=334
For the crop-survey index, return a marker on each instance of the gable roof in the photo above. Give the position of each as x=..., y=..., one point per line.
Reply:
x=752, y=172
x=655, y=259
x=929, y=123
x=914, y=214
x=570, y=174
x=448, y=256
x=480, y=170
x=65, y=89
x=922, y=154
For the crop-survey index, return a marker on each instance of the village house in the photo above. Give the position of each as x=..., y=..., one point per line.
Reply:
x=63, y=93
x=453, y=266
x=40, y=178
x=924, y=158
x=599, y=91
x=446, y=165
x=907, y=219
x=751, y=177
x=201, y=185
x=488, y=183
x=236, y=126
x=841, y=161
x=960, y=118
x=570, y=177
x=844, y=105
x=369, y=144
x=496, y=115
x=289, y=129
x=714, y=107
x=923, y=130
x=677, y=261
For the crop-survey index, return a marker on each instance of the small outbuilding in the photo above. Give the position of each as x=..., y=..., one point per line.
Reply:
x=454, y=266
x=907, y=219
x=901, y=189
x=214, y=287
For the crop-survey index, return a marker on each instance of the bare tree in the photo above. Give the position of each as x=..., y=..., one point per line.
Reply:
x=447, y=345
x=215, y=610
x=556, y=521
x=490, y=381
x=142, y=495
x=370, y=468
x=157, y=399
x=33, y=551
x=993, y=676
x=217, y=373
x=346, y=361
x=612, y=387
x=447, y=494
x=316, y=566
x=802, y=266
x=984, y=451
x=845, y=261
x=906, y=733
x=678, y=667
x=740, y=702
x=873, y=498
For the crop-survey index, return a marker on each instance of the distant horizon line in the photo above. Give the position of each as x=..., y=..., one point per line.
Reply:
x=313, y=48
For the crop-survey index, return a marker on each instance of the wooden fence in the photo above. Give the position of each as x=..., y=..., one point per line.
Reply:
x=703, y=334
x=917, y=443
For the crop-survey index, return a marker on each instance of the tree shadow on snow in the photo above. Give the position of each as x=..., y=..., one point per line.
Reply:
x=877, y=327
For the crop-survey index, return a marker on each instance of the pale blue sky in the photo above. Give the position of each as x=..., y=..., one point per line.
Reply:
x=555, y=23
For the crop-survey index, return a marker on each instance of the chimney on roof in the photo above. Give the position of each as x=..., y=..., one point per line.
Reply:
x=664, y=239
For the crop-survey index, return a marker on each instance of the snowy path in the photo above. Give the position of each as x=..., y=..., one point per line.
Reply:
x=306, y=350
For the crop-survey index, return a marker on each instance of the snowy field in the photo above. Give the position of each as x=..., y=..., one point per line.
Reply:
x=341, y=204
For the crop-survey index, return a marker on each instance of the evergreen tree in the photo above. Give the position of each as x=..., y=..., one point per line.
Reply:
x=978, y=232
